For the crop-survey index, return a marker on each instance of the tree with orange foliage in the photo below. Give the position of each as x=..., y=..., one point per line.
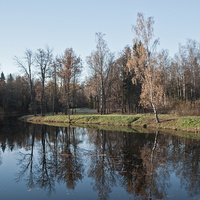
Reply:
x=144, y=63
x=70, y=67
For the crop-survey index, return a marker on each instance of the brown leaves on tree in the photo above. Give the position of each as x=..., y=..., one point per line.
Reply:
x=144, y=64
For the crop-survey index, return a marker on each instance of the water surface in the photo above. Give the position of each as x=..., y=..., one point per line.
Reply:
x=44, y=162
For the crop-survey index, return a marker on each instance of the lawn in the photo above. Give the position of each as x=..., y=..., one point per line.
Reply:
x=174, y=122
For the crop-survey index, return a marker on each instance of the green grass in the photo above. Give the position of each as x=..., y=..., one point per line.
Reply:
x=190, y=122
x=122, y=120
x=170, y=124
x=115, y=122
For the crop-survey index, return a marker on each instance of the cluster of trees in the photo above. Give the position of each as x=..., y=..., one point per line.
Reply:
x=143, y=78
x=53, y=88
x=138, y=78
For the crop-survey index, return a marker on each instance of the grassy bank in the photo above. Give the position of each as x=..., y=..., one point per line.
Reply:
x=118, y=120
x=173, y=122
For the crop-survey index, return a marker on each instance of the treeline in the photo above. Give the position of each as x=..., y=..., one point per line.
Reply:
x=138, y=79
x=47, y=85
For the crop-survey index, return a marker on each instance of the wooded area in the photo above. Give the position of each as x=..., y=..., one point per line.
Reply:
x=137, y=79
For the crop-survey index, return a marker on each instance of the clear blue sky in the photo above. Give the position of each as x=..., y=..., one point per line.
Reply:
x=61, y=24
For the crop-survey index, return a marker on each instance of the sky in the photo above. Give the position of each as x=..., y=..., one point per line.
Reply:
x=61, y=24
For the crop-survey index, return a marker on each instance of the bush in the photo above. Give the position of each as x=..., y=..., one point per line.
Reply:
x=179, y=107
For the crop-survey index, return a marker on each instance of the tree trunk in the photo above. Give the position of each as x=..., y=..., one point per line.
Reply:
x=97, y=103
x=123, y=93
x=55, y=103
x=43, y=100
x=194, y=92
x=33, y=109
x=68, y=100
x=152, y=165
x=155, y=112
x=102, y=97
x=184, y=88
x=152, y=103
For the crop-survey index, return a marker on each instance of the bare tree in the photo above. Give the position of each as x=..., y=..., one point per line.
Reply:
x=76, y=71
x=189, y=61
x=26, y=66
x=43, y=59
x=163, y=65
x=98, y=63
x=55, y=71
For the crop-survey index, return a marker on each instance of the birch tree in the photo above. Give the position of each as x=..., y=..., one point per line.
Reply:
x=163, y=65
x=144, y=61
x=189, y=56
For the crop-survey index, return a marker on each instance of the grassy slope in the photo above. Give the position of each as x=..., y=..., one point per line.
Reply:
x=120, y=120
x=185, y=123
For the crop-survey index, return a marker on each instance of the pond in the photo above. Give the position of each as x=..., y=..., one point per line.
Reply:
x=46, y=162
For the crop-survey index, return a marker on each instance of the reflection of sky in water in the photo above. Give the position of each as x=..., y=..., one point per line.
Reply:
x=110, y=153
x=175, y=191
x=9, y=189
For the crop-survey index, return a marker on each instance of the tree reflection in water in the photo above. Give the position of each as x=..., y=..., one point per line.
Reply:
x=26, y=163
x=142, y=164
x=102, y=168
x=71, y=166
x=187, y=164
x=57, y=160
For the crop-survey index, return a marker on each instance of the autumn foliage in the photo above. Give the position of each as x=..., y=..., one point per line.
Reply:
x=135, y=80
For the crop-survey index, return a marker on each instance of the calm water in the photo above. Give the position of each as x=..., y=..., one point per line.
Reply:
x=43, y=162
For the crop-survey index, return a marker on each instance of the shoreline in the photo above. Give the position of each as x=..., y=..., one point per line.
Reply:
x=145, y=121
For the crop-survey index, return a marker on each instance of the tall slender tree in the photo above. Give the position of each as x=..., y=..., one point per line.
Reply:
x=144, y=63
x=55, y=71
x=98, y=63
x=70, y=68
x=43, y=59
x=76, y=71
x=26, y=67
